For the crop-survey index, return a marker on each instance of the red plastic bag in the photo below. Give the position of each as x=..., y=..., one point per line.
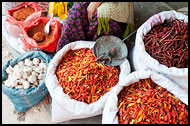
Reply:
x=15, y=27
x=31, y=44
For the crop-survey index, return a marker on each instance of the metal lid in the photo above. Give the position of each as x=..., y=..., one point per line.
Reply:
x=104, y=43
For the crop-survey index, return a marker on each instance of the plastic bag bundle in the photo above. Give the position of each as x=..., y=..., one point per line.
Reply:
x=15, y=27
x=31, y=44
x=21, y=98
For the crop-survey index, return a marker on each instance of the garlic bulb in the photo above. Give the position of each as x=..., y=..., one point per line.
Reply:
x=16, y=66
x=9, y=69
x=13, y=82
x=21, y=63
x=19, y=86
x=36, y=74
x=21, y=81
x=17, y=70
x=33, y=67
x=40, y=81
x=26, y=61
x=43, y=66
x=7, y=83
x=25, y=75
x=32, y=79
x=36, y=83
x=33, y=73
x=26, y=85
x=36, y=61
x=18, y=75
x=11, y=75
x=38, y=70
x=30, y=63
x=40, y=76
x=27, y=69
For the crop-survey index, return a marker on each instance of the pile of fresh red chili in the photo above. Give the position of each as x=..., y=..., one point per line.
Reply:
x=82, y=78
x=168, y=43
x=145, y=102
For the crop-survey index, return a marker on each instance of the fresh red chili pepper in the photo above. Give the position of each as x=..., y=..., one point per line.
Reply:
x=145, y=102
x=82, y=78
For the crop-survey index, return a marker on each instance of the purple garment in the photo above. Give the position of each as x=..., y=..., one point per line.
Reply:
x=77, y=26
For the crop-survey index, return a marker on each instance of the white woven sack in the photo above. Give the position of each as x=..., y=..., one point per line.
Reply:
x=143, y=61
x=109, y=113
x=63, y=107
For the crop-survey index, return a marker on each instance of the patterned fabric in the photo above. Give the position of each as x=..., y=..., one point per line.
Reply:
x=77, y=26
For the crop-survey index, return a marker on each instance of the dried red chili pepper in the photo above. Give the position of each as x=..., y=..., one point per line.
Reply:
x=145, y=102
x=164, y=41
x=47, y=100
x=82, y=78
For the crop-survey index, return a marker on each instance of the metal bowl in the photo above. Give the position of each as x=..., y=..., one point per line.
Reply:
x=104, y=43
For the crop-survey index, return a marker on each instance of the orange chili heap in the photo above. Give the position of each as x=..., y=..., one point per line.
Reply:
x=82, y=78
x=145, y=102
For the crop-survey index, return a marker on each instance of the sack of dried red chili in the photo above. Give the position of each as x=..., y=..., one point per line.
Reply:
x=161, y=45
x=16, y=21
x=146, y=98
x=78, y=85
x=49, y=41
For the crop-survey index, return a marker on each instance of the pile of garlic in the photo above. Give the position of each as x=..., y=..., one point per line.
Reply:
x=26, y=74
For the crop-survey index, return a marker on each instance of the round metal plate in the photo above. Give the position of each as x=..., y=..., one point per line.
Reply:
x=104, y=43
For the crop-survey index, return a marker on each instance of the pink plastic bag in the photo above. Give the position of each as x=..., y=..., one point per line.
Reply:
x=15, y=27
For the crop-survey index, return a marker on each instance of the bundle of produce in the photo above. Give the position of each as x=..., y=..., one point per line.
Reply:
x=23, y=79
x=26, y=74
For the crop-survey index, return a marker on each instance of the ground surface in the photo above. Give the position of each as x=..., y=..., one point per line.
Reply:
x=38, y=114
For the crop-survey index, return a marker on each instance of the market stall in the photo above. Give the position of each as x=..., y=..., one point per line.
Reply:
x=80, y=82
